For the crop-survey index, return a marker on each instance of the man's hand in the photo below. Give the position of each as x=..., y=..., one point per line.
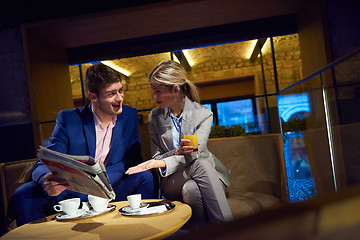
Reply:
x=149, y=164
x=54, y=185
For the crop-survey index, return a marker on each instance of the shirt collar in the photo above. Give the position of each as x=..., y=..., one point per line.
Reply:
x=173, y=116
x=98, y=122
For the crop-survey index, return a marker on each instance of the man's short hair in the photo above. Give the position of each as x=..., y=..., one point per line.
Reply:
x=98, y=76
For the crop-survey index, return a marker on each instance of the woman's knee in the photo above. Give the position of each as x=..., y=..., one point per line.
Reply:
x=191, y=193
x=203, y=166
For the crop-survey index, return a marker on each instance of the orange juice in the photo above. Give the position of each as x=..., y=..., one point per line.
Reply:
x=193, y=141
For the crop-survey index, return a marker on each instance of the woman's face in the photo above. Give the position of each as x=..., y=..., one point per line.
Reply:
x=163, y=96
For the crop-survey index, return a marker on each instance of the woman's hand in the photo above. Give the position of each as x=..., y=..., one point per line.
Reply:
x=54, y=185
x=184, y=148
x=149, y=164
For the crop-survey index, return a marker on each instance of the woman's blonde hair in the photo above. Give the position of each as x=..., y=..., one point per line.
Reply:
x=170, y=74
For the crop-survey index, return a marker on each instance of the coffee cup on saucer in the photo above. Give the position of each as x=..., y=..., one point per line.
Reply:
x=69, y=206
x=98, y=204
x=134, y=201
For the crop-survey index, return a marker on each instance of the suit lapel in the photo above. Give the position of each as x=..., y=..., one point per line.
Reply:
x=89, y=129
x=117, y=141
x=166, y=129
x=189, y=116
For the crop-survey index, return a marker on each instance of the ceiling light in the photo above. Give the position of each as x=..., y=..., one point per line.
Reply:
x=188, y=57
x=175, y=58
x=266, y=46
x=257, y=49
x=116, y=67
x=252, y=45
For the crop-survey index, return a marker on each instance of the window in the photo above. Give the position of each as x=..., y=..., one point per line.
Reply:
x=234, y=112
x=207, y=105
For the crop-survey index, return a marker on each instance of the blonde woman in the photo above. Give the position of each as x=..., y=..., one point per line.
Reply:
x=197, y=178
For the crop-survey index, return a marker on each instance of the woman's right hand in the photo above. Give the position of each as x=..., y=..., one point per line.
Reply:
x=149, y=164
x=184, y=149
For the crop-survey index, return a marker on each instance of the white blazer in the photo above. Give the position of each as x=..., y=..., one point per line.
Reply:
x=160, y=130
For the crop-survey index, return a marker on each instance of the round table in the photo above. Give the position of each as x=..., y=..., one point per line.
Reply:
x=110, y=225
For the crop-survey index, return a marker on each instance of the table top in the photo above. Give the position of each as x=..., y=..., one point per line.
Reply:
x=110, y=225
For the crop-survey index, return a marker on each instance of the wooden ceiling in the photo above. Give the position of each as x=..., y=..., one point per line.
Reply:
x=154, y=19
x=176, y=21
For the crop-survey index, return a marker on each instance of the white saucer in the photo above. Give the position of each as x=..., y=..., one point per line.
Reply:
x=91, y=212
x=63, y=216
x=128, y=209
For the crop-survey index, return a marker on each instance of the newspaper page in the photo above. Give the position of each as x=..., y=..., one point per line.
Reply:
x=83, y=173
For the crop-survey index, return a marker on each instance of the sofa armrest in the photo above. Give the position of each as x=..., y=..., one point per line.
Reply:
x=13, y=175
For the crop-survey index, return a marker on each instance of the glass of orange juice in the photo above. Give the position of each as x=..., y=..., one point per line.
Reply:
x=193, y=141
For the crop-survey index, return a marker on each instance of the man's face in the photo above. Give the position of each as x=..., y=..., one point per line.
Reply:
x=109, y=101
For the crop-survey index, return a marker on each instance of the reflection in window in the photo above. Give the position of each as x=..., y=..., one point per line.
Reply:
x=293, y=108
x=293, y=105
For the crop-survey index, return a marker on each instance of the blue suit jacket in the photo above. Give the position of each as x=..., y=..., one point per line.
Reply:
x=74, y=134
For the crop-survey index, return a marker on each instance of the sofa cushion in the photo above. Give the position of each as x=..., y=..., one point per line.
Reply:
x=249, y=203
x=254, y=162
x=13, y=175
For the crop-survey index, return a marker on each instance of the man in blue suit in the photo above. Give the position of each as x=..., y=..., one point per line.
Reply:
x=106, y=130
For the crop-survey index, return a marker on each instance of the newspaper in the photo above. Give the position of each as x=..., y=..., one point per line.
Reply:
x=83, y=173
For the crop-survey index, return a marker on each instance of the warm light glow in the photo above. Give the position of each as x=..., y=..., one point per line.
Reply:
x=116, y=67
x=266, y=47
x=175, y=58
x=186, y=52
x=252, y=44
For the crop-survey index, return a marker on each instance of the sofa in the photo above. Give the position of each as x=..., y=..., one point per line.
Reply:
x=257, y=172
x=13, y=175
x=256, y=164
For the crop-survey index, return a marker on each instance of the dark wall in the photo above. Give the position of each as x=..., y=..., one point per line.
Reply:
x=16, y=132
x=344, y=19
x=16, y=141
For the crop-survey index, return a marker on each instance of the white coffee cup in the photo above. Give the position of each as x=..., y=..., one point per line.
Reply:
x=68, y=206
x=134, y=200
x=85, y=206
x=98, y=204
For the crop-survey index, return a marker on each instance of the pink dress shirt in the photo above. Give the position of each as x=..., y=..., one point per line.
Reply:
x=103, y=139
